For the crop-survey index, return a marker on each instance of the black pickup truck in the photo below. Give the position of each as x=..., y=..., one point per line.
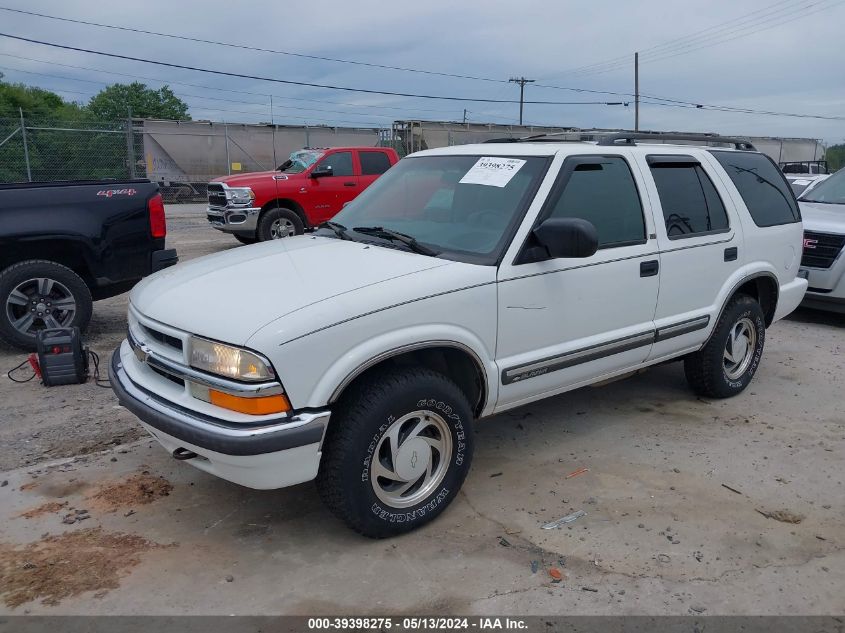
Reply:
x=66, y=244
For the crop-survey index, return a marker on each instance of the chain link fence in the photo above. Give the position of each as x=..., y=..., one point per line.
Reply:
x=33, y=150
x=182, y=156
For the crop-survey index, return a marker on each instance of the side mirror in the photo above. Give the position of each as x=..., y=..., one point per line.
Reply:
x=322, y=171
x=568, y=237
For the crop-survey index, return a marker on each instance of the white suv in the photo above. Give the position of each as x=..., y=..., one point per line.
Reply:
x=466, y=281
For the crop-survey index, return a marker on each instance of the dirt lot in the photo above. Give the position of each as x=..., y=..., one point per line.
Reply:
x=692, y=506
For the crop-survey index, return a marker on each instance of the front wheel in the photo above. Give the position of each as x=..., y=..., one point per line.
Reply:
x=278, y=223
x=726, y=364
x=38, y=294
x=396, y=452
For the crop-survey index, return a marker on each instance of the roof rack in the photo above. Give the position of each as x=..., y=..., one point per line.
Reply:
x=628, y=138
x=536, y=137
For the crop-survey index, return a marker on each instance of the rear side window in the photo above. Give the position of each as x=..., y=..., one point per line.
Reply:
x=691, y=204
x=762, y=187
x=374, y=163
x=603, y=192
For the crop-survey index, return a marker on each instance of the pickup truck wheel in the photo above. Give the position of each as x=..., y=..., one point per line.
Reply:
x=396, y=452
x=729, y=360
x=38, y=294
x=278, y=223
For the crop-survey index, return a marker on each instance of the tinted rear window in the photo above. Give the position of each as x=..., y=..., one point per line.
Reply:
x=762, y=186
x=374, y=163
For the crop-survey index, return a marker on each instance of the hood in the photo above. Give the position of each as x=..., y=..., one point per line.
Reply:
x=252, y=178
x=823, y=217
x=231, y=295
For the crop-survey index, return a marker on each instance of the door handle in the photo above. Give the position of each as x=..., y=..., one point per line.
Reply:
x=731, y=254
x=649, y=268
x=349, y=184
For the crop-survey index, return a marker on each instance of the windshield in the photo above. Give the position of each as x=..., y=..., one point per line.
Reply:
x=829, y=191
x=299, y=161
x=462, y=207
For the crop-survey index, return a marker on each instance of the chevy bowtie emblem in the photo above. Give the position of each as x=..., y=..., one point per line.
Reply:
x=140, y=353
x=414, y=460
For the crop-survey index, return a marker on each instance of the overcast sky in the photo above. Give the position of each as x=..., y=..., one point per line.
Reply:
x=783, y=56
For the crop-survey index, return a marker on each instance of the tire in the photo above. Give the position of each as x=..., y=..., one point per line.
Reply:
x=726, y=364
x=278, y=223
x=392, y=404
x=20, y=286
x=246, y=239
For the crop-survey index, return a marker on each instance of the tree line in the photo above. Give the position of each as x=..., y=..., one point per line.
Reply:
x=69, y=140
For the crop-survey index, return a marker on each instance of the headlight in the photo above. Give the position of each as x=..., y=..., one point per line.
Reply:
x=240, y=195
x=227, y=361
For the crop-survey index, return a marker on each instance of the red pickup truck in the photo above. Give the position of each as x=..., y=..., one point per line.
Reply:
x=310, y=187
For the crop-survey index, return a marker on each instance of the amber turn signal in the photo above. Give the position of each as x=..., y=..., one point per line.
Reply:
x=262, y=405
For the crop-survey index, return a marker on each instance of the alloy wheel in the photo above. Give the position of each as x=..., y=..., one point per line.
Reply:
x=411, y=459
x=740, y=348
x=40, y=303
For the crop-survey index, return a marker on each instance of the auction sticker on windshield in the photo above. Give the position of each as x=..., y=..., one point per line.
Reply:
x=491, y=171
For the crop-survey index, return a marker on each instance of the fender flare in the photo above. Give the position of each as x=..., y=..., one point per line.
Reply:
x=410, y=347
x=737, y=285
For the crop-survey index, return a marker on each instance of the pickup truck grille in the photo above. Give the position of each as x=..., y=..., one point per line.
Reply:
x=216, y=195
x=821, y=249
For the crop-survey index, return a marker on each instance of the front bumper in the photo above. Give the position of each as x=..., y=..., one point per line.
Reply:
x=273, y=454
x=240, y=220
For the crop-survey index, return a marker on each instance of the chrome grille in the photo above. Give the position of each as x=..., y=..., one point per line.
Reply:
x=216, y=195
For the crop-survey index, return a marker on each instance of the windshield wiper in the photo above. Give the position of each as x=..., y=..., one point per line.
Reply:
x=396, y=236
x=337, y=229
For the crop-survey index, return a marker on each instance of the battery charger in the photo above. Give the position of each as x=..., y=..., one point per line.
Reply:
x=61, y=357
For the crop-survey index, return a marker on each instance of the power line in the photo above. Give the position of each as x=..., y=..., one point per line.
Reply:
x=289, y=81
x=668, y=49
x=190, y=96
x=733, y=35
x=205, y=97
x=410, y=95
x=684, y=46
x=221, y=89
x=669, y=43
x=345, y=61
x=250, y=48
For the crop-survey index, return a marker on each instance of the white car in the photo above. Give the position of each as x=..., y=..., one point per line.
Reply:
x=802, y=184
x=466, y=281
x=823, y=210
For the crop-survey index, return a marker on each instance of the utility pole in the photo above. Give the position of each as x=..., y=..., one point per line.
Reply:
x=521, y=81
x=636, y=92
x=465, y=116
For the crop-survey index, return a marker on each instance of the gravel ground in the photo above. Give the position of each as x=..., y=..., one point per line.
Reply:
x=690, y=504
x=38, y=423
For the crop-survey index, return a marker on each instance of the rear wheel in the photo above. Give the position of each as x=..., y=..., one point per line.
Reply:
x=39, y=294
x=396, y=452
x=726, y=364
x=278, y=223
